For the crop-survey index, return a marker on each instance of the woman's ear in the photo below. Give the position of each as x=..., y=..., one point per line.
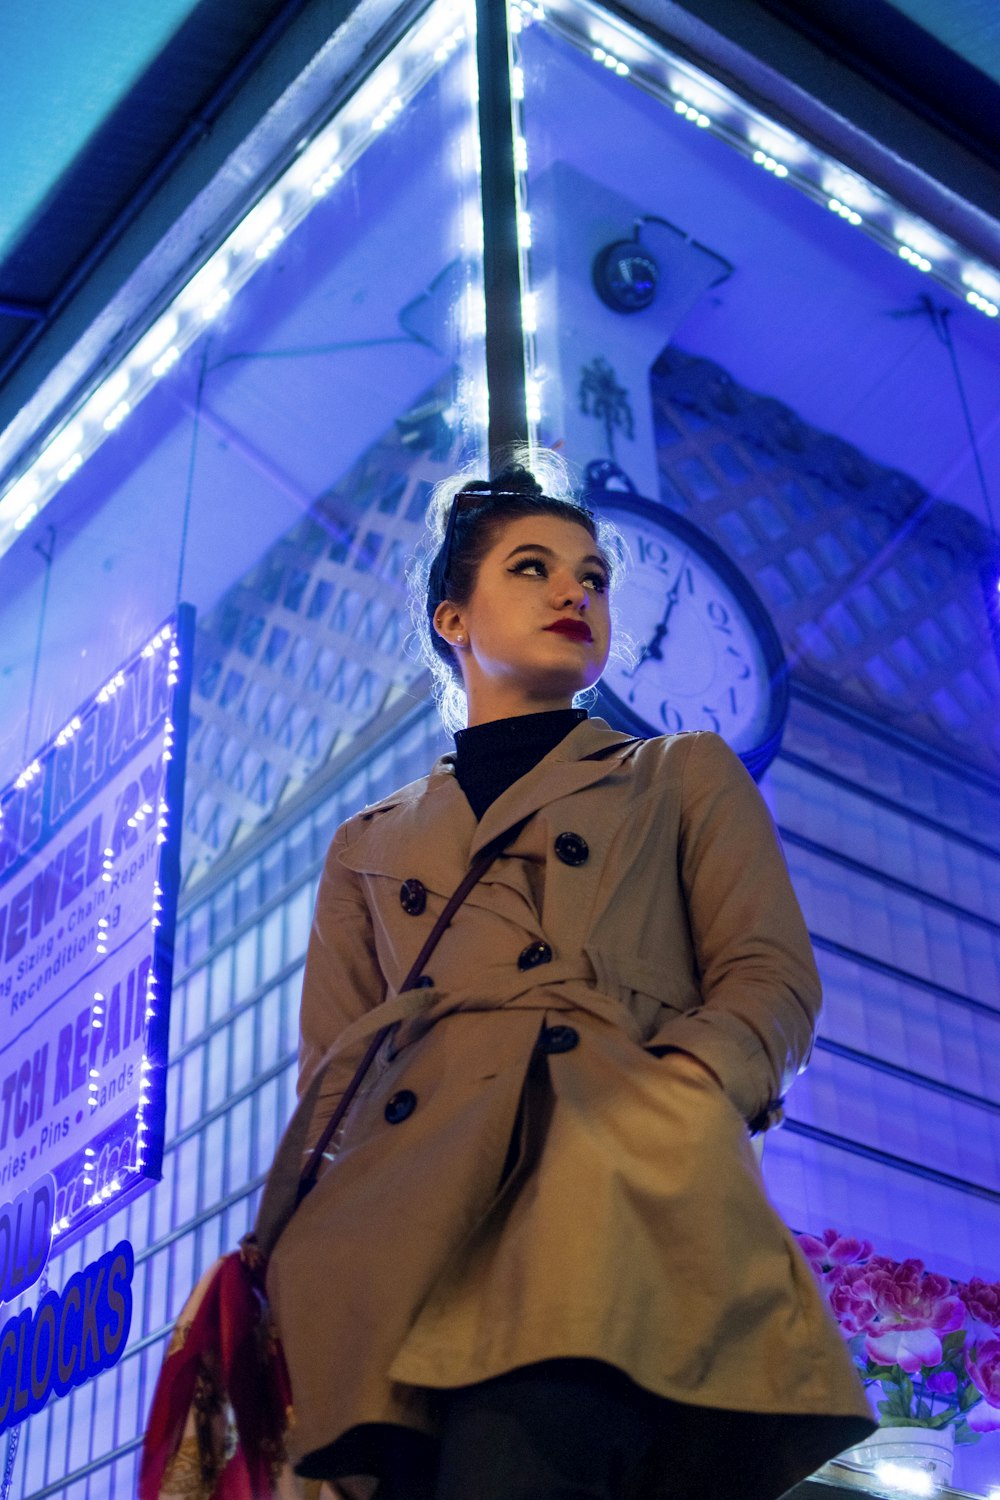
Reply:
x=449, y=624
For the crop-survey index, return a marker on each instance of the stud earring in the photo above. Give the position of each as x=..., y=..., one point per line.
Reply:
x=460, y=640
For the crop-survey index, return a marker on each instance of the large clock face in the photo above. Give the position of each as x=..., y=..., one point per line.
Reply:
x=707, y=654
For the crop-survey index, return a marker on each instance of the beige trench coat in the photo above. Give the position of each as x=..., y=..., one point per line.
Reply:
x=633, y=1227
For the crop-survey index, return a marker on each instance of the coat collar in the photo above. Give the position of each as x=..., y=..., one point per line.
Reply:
x=586, y=755
x=428, y=830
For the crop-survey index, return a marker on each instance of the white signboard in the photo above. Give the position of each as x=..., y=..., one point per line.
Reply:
x=89, y=862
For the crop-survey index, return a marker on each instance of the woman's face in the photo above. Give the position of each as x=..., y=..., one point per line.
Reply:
x=536, y=630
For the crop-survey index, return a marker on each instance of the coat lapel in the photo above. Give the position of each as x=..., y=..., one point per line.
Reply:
x=425, y=835
x=431, y=832
x=565, y=770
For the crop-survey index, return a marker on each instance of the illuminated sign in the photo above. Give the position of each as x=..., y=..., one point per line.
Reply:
x=89, y=869
x=71, y=1335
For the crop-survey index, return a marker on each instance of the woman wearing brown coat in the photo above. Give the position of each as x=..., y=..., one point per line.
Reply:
x=540, y=1261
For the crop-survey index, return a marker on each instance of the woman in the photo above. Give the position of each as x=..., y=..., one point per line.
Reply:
x=542, y=1263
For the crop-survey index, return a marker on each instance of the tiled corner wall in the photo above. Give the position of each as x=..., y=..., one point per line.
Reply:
x=894, y=1131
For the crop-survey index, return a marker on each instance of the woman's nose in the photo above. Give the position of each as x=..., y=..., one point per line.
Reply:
x=570, y=590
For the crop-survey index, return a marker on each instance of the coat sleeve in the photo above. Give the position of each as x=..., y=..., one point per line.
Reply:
x=342, y=978
x=759, y=985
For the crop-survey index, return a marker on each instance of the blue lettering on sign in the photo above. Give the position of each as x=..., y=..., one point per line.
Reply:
x=26, y=1236
x=71, y=1336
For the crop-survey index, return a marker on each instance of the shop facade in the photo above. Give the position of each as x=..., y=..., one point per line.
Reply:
x=755, y=347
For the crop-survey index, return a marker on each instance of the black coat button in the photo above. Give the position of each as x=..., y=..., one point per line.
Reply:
x=559, y=1038
x=401, y=1106
x=572, y=849
x=425, y=982
x=413, y=897
x=533, y=955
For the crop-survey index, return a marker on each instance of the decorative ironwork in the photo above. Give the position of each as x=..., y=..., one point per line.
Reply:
x=602, y=397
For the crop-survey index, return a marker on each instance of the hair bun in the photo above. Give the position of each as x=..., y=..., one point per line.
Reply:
x=513, y=480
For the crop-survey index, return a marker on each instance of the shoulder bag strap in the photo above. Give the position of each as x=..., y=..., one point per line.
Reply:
x=471, y=877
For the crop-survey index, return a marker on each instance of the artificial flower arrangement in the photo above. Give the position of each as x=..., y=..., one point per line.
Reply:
x=930, y=1344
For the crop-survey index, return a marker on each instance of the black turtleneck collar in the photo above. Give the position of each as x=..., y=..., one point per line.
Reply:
x=491, y=757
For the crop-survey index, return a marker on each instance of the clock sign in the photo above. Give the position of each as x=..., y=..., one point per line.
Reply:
x=708, y=655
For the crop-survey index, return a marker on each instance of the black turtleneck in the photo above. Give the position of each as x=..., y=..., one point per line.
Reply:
x=491, y=757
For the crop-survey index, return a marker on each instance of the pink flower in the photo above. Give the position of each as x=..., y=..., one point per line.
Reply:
x=943, y=1382
x=900, y=1308
x=982, y=1298
x=983, y=1364
x=851, y=1299
x=829, y=1255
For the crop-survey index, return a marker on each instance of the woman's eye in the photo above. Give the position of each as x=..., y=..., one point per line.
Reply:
x=597, y=581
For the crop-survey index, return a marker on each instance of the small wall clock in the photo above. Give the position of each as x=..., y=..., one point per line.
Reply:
x=709, y=656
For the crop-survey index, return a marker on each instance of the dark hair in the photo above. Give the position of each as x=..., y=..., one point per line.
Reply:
x=479, y=511
x=464, y=520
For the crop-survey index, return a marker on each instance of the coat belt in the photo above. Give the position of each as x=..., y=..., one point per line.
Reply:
x=567, y=985
x=564, y=984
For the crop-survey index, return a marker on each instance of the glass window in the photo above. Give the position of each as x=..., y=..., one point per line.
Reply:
x=770, y=346
x=266, y=451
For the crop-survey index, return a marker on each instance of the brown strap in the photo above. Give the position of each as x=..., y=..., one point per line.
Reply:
x=472, y=876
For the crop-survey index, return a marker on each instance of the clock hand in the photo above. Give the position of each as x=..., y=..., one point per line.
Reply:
x=652, y=647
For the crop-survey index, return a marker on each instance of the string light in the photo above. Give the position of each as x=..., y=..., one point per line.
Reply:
x=321, y=164
x=324, y=182
x=523, y=13
x=693, y=113
x=65, y=735
x=914, y=257
x=388, y=113
x=703, y=101
x=770, y=164
x=521, y=16
x=984, y=305
x=337, y=146
x=166, y=362
x=850, y=214
x=107, y=1170
x=27, y=775
x=609, y=60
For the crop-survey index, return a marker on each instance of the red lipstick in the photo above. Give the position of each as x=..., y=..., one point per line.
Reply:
x=577, y=630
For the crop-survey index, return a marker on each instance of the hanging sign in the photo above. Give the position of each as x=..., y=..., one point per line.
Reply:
x=89, y=870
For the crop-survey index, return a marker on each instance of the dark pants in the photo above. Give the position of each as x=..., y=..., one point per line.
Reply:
x=567, y=1429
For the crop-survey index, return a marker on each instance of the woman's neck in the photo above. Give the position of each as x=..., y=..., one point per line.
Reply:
x=485, y=708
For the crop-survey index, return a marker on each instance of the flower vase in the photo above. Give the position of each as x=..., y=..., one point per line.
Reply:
x=930, y=1449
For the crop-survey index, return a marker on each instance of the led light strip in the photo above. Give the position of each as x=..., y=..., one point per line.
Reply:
x=708, y=105
x=321, y=163
x=520, y=15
